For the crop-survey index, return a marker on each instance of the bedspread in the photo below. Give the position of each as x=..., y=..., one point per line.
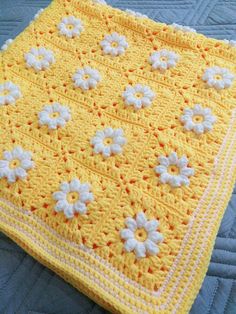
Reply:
x=28, y=287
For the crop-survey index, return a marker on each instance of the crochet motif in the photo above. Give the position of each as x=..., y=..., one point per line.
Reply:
x=138, y=96
x=39, y=58
x=198, y=119
x=174, y=170
x=9, y=93
x=86, y=78
x=130, y=126
x=114, y=44
x=54, y=116
x=217, y=77
x=15, y=164
x=73, y=198
x=70, y=26
x=108, y=142
x=163, y=59
x=141, y=236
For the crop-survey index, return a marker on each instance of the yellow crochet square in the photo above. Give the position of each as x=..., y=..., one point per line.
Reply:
x=117, y=152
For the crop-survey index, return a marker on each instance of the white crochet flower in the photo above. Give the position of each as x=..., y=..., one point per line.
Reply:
x=108, y=142
x=231, y=43
x=218, y=77
x=138, y=96
x=141, y=236
x=174, y=170
x=99, y=1
x=185, y=29
x=15, y=164
x=39, y=58
x=136, y=14
x=114, y=44
x=9, y=93
x=86, y=78
x=70, y=26
x=6, y=44
x=38, y=13
x=54, y=116
x=72, y=198
x=198, y=119
x=163, y=59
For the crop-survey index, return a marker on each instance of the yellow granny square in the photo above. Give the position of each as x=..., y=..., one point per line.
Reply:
x=117, y=152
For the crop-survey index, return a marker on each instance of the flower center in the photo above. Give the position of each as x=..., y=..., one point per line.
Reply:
x=163, y=59
x=198, y=118
x=173, y=170
x=141, y=234
x=14, y=163
x=86, y=76
x=5, y=92
x=218, y=77
x=114, y=44
x=72, y=197
x=39, y=57
x=139, y=95
x=108, y=141
x=70, y=26
x=54, y=115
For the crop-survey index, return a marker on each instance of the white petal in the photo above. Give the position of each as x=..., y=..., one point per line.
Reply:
x=151, y=247
x=141, y=220
x=74, y=185
x=187, y=171
x=61, y=205
x=116, y=149
x=165, y=177
x=65, y=187
x=69, y=212
x=173, y=158
x=11, y=177
x=58, y=196
x=84, y=187
x=16, y=152
x=4, y=163
x=119, y=140
x=156, y=237
x=151, y=225
x=130, y=244
x=106, y=151
x=126, y=234
x=98, y=148
x=86, y=197
x=140, y=250
x=175, y=181
x=182, y=162
x=20, y=173
x=199, y=128
x=27, y=164
x=131, y=224
x=163, y=161
x=160, y=169
x=80, y=208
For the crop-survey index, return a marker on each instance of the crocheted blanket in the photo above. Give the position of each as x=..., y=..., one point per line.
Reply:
x=116, y=165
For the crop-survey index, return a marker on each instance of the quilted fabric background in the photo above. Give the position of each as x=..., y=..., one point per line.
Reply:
x=28, y=287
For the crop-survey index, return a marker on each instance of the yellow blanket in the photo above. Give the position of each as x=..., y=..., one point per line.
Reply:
x=117, y=152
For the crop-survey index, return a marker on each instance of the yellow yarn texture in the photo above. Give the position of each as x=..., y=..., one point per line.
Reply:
x=117, y=152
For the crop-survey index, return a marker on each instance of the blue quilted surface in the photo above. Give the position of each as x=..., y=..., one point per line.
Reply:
x=28, y=287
